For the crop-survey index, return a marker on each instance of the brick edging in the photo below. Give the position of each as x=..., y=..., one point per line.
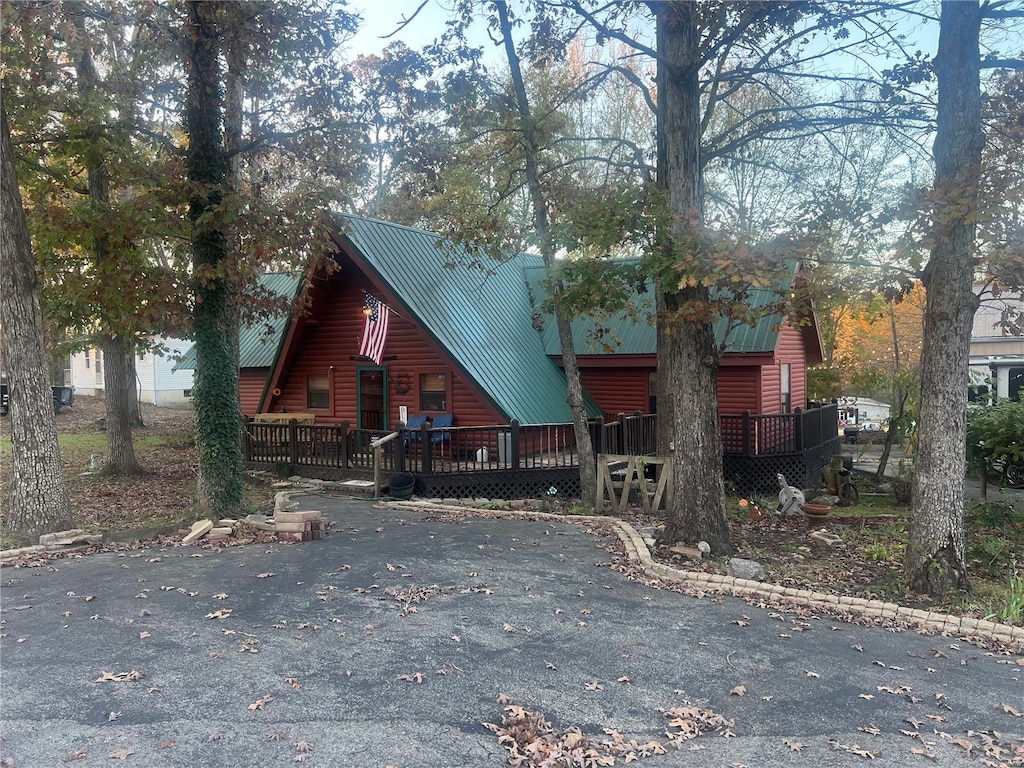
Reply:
x=637, y=551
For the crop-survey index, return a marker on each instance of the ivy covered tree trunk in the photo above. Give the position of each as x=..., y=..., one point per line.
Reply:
x=218, y=415
x=39, y=501
x=687, y=355
x=935, y=561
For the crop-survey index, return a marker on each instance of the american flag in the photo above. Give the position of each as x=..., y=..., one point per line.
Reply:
x=375, y=328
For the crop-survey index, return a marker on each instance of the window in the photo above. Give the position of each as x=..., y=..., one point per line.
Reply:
x=433, y=392
x=88, y=359
x=784, y=386
x=318, y=391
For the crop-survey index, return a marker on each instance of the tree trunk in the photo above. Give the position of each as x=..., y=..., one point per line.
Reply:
x=935, y=560
x=541, y=225
x=39, y=501
x=218, y=415
x=119, y=387
x=116, y=382
x=135, y=409
x=687, y=355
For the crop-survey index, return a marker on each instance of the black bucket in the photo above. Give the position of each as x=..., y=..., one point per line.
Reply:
x=401, y=486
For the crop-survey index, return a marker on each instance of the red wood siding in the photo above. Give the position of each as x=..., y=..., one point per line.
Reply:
x=331, y=339
x=617, y=390
x=791, y=349
x=250, y=387
x=738, y=389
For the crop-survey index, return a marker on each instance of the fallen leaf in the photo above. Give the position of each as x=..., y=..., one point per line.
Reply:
x=1010, y=710
x=813, y=674
x=258, y=704
x=866, y=696
x=922, y=752
x=796, y=746
x=121, y=754
x=416, y=677
x=144, y=635
x=78, y=754
x=549, y=665
x=739, y=690
x=221, y=596
x=265, y=575
x=873, y=730
x=624, y=679
x=112, y=716
x=166, y=744
x=594, y=686
x=119, y=677
x=222, y=613
x=303, y=746
x=295, y=684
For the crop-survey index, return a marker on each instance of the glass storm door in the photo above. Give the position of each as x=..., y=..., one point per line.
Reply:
x=372, y=388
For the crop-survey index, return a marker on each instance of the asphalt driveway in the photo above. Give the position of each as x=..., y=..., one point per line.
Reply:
x=387, y=642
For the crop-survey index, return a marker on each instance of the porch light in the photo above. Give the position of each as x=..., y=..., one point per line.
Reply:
x=367, y=311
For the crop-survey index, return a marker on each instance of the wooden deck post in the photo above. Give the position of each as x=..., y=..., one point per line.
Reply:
x=293, y=443
x=798, y=427
x=426, y=449
x=402, y=449
x=343, y=445
x=746, y=434
x=514, y=425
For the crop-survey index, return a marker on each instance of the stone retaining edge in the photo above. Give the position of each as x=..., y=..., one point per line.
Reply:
x=636, y=550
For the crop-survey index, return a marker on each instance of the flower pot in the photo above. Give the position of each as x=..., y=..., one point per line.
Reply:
x=816, y=510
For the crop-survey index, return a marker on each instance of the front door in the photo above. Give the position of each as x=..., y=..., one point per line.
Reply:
x=372, y=391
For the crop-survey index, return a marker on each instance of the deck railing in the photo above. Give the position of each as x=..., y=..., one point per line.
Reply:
x=515, y=446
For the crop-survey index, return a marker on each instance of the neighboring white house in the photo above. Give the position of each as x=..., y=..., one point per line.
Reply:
x=997, y=356
x=156, y=380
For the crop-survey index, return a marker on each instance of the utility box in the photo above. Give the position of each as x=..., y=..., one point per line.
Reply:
x=504, y=448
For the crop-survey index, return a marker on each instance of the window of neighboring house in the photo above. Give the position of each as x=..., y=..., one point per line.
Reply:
x=652, y=392
x=88, y=359
x=318, y=391
x=784, y=387
x=433, y=392
x=99, y=366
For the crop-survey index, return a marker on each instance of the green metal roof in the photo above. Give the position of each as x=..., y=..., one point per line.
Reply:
x=478, y=311
x=627, y=335
x=258, y=343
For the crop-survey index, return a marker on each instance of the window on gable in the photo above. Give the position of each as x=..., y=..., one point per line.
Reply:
x=318, y=391
x=433, y=392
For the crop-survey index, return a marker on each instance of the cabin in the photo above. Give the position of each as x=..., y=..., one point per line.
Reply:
x=471, y=360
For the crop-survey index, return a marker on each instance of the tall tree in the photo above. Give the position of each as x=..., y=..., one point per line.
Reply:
x=118, y=348
x=215, y=393
x=935, y=561
x=39, y=500
x=539, y=203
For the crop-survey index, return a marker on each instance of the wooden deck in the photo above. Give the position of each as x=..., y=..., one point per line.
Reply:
x=523, y=460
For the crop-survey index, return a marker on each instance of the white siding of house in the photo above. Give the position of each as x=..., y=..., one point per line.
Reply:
x=157, y=381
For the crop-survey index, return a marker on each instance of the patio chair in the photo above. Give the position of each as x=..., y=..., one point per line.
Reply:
x=441, y=435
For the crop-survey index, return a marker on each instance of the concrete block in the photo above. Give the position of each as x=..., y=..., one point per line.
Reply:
x=199, y=528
